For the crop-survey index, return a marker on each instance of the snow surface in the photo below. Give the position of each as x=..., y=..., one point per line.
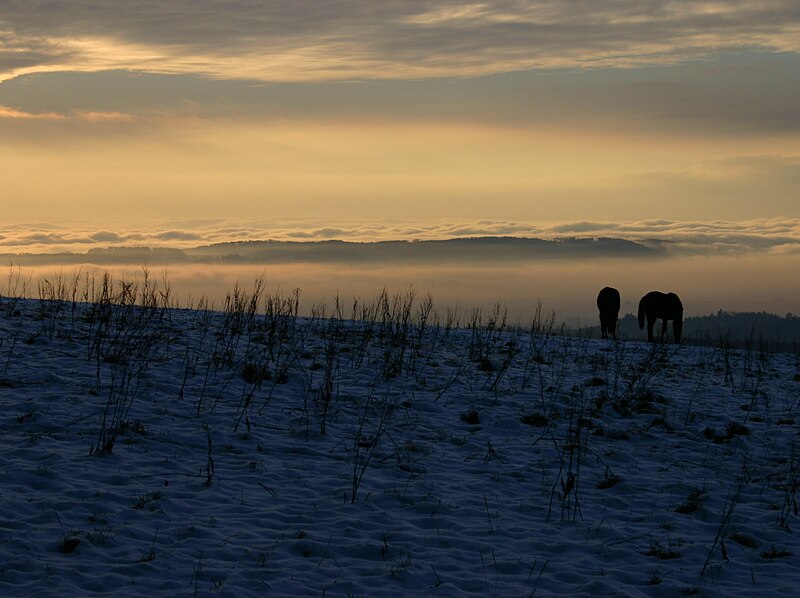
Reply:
x=288, y=456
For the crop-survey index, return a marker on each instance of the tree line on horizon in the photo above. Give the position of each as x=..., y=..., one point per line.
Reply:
x=765, y=329
x=487, y=249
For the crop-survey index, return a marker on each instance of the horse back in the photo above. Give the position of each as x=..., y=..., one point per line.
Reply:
x=675, y=302
x=662, y=305
x=608, y=300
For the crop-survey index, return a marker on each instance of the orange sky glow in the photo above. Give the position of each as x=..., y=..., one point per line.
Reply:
x=180, y=124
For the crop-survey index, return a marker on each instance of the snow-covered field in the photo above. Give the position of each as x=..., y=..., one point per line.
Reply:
x=250, y=452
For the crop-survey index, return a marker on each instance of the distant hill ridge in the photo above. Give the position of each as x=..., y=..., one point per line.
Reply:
x=487, y=248
x=471, y=248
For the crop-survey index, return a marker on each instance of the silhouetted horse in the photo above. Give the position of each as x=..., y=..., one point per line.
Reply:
x=663, y=306
x=608, y=304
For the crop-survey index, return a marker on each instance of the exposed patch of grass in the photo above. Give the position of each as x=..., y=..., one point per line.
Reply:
x=736, y=429
x=773, y=553
x=661, y=552
x=609, y=481
x=485, y=365
x=660, y=422
x=732, y=430
x=146, y=498
x=24, y=416
x=115, y=359
x=135, y=426
x=711, y=435
x=745, y=540
x=255, y=374
x=692, y=503
x=537, y=420
x=70, y=543
x=471, y=417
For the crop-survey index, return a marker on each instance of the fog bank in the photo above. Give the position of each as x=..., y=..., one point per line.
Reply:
x=567, y=287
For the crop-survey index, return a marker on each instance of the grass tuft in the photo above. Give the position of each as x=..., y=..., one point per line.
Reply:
x=536, y=420
x=471, y=417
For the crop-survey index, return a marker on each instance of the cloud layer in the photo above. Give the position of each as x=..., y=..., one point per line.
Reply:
x=762, y=236
x=299, y=40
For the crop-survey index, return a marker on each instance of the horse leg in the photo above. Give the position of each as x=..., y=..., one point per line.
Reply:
x=663, y=330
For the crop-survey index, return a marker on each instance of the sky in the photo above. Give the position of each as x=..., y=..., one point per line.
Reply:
x=178, y=123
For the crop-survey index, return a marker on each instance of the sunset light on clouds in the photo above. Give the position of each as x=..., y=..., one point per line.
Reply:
x=392, y=117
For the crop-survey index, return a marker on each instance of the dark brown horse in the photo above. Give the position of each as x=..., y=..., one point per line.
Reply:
x=664, y=306
x=608, y=304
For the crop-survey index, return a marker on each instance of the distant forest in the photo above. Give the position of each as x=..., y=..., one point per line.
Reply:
x=483, y=249
x=760, y=329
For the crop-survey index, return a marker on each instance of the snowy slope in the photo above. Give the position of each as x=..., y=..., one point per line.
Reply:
x=239, y=453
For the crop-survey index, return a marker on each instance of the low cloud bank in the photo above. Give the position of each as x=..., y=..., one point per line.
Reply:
x=567, y=286
x=668, y=237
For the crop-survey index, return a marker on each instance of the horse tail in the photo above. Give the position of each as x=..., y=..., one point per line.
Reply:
x=641, y=314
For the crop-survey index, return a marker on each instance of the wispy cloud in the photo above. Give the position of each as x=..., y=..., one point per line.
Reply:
x=103, y=117
x=15, y=114
x=6, y=112
x=344, y=39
